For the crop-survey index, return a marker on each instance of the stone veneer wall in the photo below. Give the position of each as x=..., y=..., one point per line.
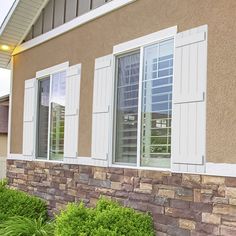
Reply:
x=181, y=204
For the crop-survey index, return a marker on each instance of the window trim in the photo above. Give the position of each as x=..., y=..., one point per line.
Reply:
x=40, y=75
x=122, y=49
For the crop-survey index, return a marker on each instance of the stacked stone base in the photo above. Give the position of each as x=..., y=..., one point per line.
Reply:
x=181, y=204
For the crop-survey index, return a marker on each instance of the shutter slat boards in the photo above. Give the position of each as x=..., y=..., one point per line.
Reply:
x=29, y=121
x=73, y=76
x=102, y=92
x=189, y=101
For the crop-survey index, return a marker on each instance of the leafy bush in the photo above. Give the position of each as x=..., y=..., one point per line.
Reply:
x=17, y=203
x=108, y=218
x=3, y=183
x=20, y=225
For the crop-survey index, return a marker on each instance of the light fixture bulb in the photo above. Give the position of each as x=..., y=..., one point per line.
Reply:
x=5, y=47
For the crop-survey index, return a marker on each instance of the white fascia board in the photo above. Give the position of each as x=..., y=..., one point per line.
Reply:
x=145, y=40
x=85, y=18
x=52, y=70
x=10, y=13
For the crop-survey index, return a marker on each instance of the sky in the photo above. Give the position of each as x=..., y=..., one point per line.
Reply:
x=5, y=6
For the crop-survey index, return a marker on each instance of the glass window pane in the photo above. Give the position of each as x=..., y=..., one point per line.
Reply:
x=57, y=121
x=43, y=112
x=157, y=105
x=127, y=108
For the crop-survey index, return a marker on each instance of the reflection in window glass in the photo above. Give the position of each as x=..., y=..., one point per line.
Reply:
x=157, y=105
x=57, y=121
x=127, y=108
x=43, y=113
x=51, y=117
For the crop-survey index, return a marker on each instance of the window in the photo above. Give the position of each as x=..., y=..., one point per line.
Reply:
x=51, y=117
x=144, y=106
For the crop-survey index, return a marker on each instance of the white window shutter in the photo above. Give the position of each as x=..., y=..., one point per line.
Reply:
x=71, y=135
x=102, y=100
x=29, y=120
x=189, y=98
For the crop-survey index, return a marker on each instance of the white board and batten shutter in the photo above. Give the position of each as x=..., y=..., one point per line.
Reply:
x=102, y=101
x=29, y=119
x=189, y=101
x=73, y=77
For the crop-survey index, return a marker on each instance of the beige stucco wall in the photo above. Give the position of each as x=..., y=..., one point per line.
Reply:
x=97, y=38
x=3, y=145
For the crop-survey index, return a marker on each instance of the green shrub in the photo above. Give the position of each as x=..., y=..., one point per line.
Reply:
x=23, y=226
x=3, y=183
x=108, y=218
x=17, y=203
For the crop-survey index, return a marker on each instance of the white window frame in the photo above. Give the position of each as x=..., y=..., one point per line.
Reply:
x=128, y=47
x=40, y=75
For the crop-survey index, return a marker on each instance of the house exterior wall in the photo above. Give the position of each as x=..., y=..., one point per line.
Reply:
x=3, y=155
x=3, y=136
x=3, y=117
x=85, y=43
x=181, y=204
x=3, y=145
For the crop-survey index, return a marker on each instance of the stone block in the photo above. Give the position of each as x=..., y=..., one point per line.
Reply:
x=230, y=192
x=197, y=195
x=100, y=175
x=121, y=194
x=72, y=192
x=181, y=213
x=187, y=224
x=221, y=191
x=152, y=174
x=127, y=187
x=232, y=201
x=213, y=180
x=211, y=218
x=154, y=209
x=116, y=185
x=230, y=181
x=203, y=207
x=115, y=170
x=166, y=193
x=220, y=200
x=165, y=220
x=100, y=183
x=161, y=201
x=139, y=196
x=227, y=231
x=131, y=172
x=228, y=220
x=137, y=205
x=146, y=186
x=224, y=209
x=175, y=203
x=207, y=229
x=115, y=177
